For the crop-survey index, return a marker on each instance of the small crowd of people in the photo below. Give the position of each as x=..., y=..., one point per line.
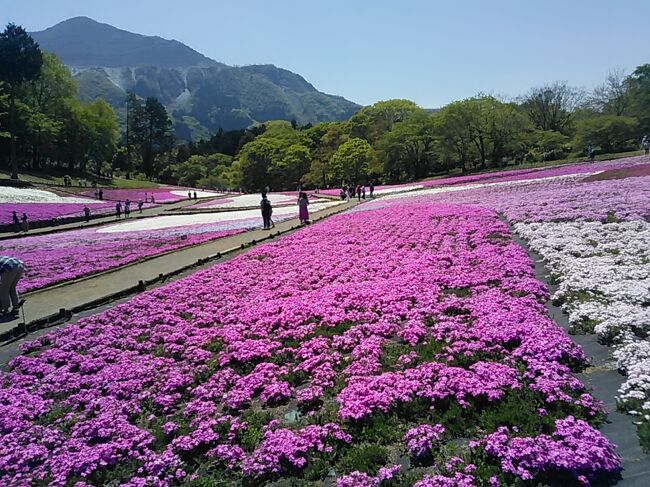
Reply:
x=19, y=224
x=350, y=191
x=126, y=209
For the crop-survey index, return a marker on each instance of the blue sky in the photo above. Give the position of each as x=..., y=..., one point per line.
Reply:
x=431, y=52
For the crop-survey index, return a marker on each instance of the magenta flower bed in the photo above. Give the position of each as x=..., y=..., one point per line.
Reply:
x=326, y=353
x=47, y=211
x=59, y=257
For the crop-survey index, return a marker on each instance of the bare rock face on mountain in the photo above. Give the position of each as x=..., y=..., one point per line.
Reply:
x=201, y=95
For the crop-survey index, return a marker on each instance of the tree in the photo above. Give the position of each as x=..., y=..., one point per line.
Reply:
x=551, y=107
x=612, y=97
x=20, y=61
x=43, y=101
x=453, y=127
x=609, y=132
x=148, y=131
x=639, y=95
x=255, y=160
x=103, y=132
x=372, y=122
x=408, y=150
x=352, y=160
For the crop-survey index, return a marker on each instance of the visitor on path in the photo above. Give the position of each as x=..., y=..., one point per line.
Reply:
x=16, y=222
x=127, y=208
x=343, y=194
x=101, y=194
x=195, y=197
x=267, y=211
x=359, y=192
x=86, y=214
x=139, y=206
x=303, y=210
x=591, y=153
x=267, y=190
x=153, y=200
x=363, y=192
x=118, y=210
x=645, y=143
x=372, y=189
x=11, y=270
x=189, y=195
x=25, y=223
x=145, y=197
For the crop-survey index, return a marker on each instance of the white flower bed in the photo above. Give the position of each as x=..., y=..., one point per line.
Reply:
x=28, y=195
x=251, y=201
x=238, y=219
x=199, y=193
x=604, y=276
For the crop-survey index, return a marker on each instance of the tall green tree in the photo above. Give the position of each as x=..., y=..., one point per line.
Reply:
x=352, y=161
x=552, y=106
x=639, y=94
x=20, y=61
x=43, y=100
x=148, y=132
x=408, y=150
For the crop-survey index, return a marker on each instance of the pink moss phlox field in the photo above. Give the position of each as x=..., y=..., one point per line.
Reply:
x=59, y=257
x=47, y=211
x=280, y=360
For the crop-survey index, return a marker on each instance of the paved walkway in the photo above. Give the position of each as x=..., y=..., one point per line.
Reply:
x=58, y=302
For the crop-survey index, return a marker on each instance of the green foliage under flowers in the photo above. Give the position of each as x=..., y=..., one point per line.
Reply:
x=365, y=458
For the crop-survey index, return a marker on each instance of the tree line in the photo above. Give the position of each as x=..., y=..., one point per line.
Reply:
x=43, y=126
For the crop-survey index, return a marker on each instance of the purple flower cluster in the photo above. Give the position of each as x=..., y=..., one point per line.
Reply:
x=574, y=446
x=420, y=440
x=256, y=366
x=47, y=211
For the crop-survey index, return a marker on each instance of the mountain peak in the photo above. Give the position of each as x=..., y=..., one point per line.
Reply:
x=84, y=42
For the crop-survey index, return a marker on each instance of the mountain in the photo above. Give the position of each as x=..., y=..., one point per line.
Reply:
x=202, y=95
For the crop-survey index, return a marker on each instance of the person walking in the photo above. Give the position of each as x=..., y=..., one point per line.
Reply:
x=139, y=206
x=118, y=210
x=101, y=194
x=15, y=221
x=25, y=223
x=195, y=196
x=303, y=210
x=11, y=270
x=372, y=189
x=86, y=214
x=359, y=192
x=267, y=211
x=645, y=143
x=363, y=191
x=153, y=200
x=127, y=208
x=189, y=195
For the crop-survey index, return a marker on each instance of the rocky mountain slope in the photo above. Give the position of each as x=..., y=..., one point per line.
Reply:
x=201, y=94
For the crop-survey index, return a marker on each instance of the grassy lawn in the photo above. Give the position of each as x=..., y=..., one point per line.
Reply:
x=48, y=179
